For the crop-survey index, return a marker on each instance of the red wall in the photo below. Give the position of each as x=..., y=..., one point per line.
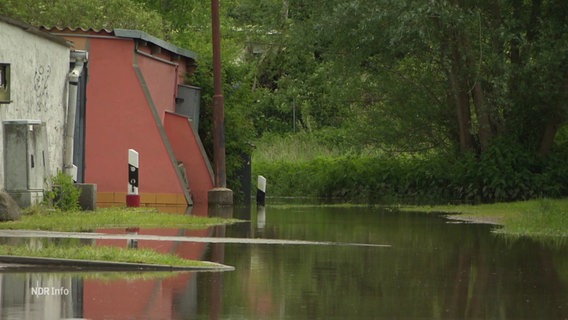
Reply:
x=119, y=117
x=161, y=80
x=186, y=149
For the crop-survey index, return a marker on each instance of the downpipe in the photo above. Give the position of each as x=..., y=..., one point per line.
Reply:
x=80, y=58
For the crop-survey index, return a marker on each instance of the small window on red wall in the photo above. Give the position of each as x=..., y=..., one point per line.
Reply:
x=4, y=83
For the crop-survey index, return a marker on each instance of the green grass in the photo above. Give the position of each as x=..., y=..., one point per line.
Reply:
x=118, y=217
x=293, y=148
x=41, y=218
x=542, y=219
x=534, y=218
x=101, y=253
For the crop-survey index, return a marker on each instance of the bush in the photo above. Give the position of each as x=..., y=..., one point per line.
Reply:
x=502, y=173
x=63, y=195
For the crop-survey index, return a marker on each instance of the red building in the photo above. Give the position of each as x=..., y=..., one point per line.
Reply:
x=137, y=97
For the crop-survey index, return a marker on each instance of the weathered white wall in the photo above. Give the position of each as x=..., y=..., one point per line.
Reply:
x=38, y=76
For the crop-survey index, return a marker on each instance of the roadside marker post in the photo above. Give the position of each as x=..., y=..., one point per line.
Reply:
x=74, y=173
x=261, y=191
x=132, y=196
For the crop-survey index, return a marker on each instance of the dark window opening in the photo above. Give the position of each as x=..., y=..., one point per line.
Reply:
x=4, y=83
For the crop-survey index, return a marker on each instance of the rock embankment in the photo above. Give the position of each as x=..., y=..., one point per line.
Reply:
x=9, y=209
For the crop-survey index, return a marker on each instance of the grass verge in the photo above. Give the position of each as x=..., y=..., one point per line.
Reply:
x=113, y=254
x=533, y=218
x=118, y=217
x=40, y=218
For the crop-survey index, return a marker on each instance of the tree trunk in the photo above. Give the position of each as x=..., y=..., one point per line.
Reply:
x=460, y=94
x=461, y=101
x=547, y=141
x=554, y=122
x=485, y=131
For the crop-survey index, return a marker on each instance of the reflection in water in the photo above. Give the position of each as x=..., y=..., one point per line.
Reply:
x=97, y=295
x=37, y=296
x=260, y=218
x=111, y=295
x=434, y=270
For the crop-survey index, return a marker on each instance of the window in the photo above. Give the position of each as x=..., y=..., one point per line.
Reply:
x=4, y=83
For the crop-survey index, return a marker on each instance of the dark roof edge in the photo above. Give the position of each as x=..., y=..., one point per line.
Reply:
x=35, y=31
x=136, y=34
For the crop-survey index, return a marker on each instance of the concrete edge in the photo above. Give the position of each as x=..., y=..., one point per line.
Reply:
x=18, y=262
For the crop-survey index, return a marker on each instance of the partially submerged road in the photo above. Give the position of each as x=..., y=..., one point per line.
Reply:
x=91, y=235
x=29, y=263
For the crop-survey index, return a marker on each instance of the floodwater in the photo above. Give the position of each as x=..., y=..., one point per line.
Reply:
x=434, y=269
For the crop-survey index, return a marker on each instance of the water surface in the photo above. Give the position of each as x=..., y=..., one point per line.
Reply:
x=434, y=270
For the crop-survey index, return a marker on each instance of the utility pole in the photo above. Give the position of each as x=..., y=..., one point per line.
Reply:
x=220, y=195
x=218, y=100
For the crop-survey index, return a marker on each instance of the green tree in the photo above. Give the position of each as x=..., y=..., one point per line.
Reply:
x=96, y=14
x=437, y=73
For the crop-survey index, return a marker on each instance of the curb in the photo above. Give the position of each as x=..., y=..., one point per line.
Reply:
x=54, y=264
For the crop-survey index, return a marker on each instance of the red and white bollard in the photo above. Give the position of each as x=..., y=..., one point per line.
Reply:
x=132, y=197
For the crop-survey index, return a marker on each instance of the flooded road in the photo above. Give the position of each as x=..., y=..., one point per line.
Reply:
x=433, y=270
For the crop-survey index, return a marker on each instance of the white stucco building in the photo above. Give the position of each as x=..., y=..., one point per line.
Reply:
x=34, y=68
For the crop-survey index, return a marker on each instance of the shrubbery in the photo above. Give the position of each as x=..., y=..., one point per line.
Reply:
x=502, y=173
x=63, y=195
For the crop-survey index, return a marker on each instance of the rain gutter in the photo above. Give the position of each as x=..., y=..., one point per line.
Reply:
x=80, y=58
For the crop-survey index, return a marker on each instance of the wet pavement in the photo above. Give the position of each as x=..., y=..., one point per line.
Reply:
x=90, y=235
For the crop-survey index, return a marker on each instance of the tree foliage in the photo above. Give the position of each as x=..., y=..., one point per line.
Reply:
x=422, y=74
x=96, y=14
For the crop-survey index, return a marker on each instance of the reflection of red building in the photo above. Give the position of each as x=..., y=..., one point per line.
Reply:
x=144, y=299
x=137, y=97
x=152, y=299
x=138, y=299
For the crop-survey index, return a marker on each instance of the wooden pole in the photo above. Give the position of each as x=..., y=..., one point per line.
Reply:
x=219, y=195
x=218, y=101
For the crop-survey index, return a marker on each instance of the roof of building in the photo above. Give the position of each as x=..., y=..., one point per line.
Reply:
x=126, y=34
x=135, y=34
x=35, y=31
